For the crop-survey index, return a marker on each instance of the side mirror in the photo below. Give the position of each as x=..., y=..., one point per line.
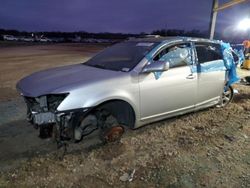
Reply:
x=157, y=66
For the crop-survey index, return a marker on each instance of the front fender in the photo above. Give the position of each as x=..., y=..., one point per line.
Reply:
x=77, y=100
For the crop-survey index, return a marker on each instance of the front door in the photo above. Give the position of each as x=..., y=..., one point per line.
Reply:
x=174, y=91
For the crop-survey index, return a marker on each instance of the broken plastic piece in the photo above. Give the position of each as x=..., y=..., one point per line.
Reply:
x=236, y=91
x=124, y=177
x=131, y=176
x=128, y=177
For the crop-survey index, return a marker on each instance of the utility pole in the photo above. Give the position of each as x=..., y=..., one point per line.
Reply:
x=216, y=8
x=213, y=18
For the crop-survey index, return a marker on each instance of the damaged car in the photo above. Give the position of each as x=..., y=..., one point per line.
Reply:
x=128, y=85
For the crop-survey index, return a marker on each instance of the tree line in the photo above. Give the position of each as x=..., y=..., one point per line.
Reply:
x=106, y=35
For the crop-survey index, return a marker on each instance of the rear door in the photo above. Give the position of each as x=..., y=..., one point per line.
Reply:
x=210, y=73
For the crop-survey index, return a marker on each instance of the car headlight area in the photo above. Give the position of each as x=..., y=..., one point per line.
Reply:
x=42, y=110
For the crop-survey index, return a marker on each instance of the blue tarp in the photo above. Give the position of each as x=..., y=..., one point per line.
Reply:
x=241, y=56
x=217, y=65
x=230, y=65
x=227, y=64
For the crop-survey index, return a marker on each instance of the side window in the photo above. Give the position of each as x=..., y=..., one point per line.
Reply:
x=177, y=55
x=208, y=52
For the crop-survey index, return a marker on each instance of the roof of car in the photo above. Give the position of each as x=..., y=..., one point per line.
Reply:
x=172, y=38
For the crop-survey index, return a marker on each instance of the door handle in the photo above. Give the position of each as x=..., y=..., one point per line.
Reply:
x=190, y=76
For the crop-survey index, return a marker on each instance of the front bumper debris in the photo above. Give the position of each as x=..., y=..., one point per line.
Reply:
x=42, y=113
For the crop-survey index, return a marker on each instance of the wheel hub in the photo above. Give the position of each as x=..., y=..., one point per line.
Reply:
x=114, y=133
x=227, y=96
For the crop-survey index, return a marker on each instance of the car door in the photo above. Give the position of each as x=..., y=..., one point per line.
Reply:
x=210, y=72
x=174, y=90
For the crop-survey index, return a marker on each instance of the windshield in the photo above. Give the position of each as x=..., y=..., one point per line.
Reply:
x=121, y=57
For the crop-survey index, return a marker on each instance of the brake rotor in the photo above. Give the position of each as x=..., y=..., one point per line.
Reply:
x=113, y=133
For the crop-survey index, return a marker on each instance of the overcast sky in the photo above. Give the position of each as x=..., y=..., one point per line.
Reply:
x=133, y=16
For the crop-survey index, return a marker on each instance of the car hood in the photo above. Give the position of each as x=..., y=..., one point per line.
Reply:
x=62, y=79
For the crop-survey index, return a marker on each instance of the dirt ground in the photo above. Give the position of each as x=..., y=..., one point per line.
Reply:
x=17, y=62
x=210, y=148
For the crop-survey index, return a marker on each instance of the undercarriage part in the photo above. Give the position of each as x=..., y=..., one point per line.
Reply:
x=46, y=131
x=108, y=117
x=64, y=127
x=86, y=127
x=88, y=124
x=101, y=118
x=121, y=110
x=60, y=139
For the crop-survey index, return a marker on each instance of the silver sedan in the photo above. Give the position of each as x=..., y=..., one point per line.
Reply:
x=129, y=84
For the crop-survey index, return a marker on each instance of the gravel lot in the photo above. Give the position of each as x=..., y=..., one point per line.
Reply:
x=209, y=148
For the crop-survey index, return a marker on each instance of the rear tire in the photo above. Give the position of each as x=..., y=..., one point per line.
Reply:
x=227, y=96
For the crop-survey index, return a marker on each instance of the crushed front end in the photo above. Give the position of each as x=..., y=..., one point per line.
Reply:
x=43, y=114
